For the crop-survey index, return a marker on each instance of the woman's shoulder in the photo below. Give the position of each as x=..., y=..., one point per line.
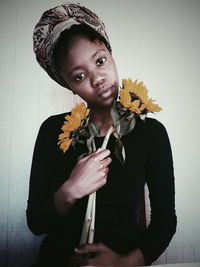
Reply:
x=54, y=120
x=52, y=125
x=153, y=123
x=150, y=127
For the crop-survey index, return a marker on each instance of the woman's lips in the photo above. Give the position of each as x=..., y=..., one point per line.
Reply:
x=105, y=92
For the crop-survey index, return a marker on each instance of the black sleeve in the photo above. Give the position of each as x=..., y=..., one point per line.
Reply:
x=160, y=181
x=41, y=214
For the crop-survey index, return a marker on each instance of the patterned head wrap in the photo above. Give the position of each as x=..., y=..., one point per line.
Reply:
x=52, y=23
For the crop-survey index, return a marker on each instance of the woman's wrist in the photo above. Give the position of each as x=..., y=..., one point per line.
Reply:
x=64, y=198
x=69, y=191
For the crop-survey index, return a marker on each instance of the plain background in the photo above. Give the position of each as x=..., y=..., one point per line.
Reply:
x=155, y=41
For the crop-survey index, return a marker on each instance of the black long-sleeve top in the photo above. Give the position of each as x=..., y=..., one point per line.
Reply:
x=148, y=160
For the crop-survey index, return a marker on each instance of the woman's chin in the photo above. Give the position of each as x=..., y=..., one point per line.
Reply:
x=107, y=103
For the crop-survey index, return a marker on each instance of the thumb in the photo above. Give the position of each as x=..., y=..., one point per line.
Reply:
x=96, y=248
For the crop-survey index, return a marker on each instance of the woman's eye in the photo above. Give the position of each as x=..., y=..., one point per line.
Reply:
x=101, y=61
x=79, y=77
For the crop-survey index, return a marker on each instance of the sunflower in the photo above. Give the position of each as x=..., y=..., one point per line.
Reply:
x=134, y=97
x=72, y=126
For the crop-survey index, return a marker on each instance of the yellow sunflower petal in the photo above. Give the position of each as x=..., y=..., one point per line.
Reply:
x=133, y=86
x=72, y=123
x=135, y=103
x=125, y=99
x=128, y=85
x=80, y=108
x=143, y=106
x=141, y=91
x=151, y=107
x=64, y=135
x=77, y=117
x=87, y=112
x=64, y=145
x=67, y=127
x=135, y=106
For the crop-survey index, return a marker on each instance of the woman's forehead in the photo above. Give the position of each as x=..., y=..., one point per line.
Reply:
x=80, y=49
x=83, y=42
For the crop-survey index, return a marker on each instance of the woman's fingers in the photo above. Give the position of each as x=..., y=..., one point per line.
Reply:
x=105, y=162
x=101, y=155
x=96, y=248
x=97, y=155
x=90, y=173
x=106, y=170
x=100, y=159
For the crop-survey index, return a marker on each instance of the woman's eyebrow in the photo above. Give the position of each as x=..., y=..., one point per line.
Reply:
x=79, y=67
x=73, y=69
x=98, y=51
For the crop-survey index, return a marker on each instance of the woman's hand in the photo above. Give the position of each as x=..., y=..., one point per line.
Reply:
x=104, y=256
x=88, y=175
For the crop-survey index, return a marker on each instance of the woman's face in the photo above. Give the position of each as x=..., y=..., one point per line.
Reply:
x=90, y=71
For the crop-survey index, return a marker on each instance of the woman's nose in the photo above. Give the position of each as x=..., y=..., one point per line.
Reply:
x=98, y=79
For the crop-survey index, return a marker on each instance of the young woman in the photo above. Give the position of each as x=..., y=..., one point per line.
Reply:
x=71, y=44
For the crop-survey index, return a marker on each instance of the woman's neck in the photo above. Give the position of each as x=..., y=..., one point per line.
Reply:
x=102, y=118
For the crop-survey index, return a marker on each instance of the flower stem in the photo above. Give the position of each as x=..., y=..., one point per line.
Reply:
x=92, y=228
x=88, y=218
x=106, y=138
x=89, y=222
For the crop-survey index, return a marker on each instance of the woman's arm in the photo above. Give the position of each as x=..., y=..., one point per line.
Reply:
x=41, y=213
x=104, y=256
x=48, y=201
x=88, y=175
x=160, y=181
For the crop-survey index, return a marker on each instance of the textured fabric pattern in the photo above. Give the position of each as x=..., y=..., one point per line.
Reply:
x=52, y=23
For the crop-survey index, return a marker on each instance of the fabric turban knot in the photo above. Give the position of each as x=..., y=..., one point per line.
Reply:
x=52, y=23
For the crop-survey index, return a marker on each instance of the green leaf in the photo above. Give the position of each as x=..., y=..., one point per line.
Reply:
x=93, y=131
x=81, y=142
x=127, y=123
x=115, y=115
x=118, y=150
